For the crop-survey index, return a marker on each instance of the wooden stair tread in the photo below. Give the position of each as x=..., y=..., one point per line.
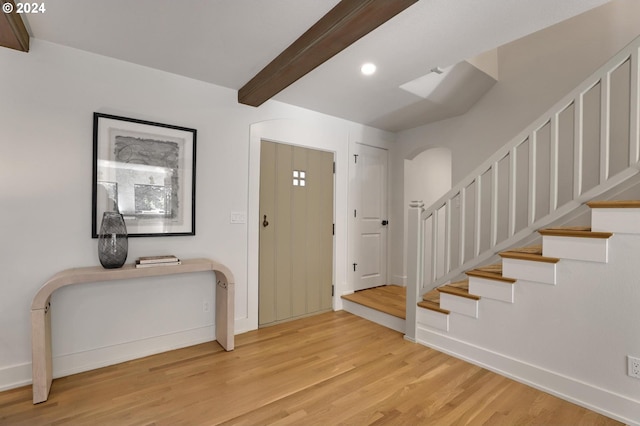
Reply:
x=532, y=253
x=537, y=249
x=575, y=231
x=617, y=204
x=431, y=301
x=571, y=228
x=495, y=268
x=433, y=307
x=463, y=285
x=432, y=296
x=392, y=289
x=491, y=272
x=390, y=299
x=460, y=288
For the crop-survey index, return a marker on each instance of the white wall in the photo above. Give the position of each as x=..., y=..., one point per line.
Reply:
x=48, y=98
x=535, y=72
x=427, y=176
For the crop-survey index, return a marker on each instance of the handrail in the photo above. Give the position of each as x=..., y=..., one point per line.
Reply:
x=443, y=254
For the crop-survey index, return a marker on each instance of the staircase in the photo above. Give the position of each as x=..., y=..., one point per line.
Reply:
x=561, y=313
x=536, y=297
x=532, y=265
x=561, y=316
x=539, y=178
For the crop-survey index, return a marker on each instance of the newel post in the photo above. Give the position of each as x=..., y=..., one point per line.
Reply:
x=415, y=265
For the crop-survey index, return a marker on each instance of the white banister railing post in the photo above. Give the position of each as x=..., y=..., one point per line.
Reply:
x=605, y=126
x=554, y=146
x=513, y=190
x=533, y=164
x=578, y=140
x=494, y=204
x=415, y=265
x=634, y=110
x=477, y=239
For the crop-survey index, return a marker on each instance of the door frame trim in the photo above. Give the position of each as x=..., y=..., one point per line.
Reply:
x=354, y=230
x=308, y=135
x=333, y=219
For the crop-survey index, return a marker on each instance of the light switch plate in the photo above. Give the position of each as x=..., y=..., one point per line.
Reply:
x=238, y=217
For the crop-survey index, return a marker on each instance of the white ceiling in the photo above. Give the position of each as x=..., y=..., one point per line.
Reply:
x=226, y=42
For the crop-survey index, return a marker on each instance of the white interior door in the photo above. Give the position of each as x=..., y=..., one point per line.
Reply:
x=370, y=263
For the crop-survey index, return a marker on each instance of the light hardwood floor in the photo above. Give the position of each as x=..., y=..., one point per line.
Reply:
x=333, y=368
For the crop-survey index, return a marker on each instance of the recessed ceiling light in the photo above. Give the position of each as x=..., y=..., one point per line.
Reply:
x=368, y=68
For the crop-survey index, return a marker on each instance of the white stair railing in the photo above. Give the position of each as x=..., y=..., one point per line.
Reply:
x=585, y=145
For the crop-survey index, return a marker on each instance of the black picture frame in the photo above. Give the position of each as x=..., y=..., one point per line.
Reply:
x=147, y=172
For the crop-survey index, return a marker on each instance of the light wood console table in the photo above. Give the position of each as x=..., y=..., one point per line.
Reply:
x=41, y=308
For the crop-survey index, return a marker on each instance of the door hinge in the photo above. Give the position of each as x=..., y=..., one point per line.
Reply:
x=355, y=214
x=355, y=158
x=333, y=231
x=333, y=290
x=354, y=267
x=334, y=167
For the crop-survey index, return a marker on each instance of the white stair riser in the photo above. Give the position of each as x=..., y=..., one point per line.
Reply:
x=589, y=249
x=542, y=272
x=459, y=304
x=433, y=319
x=493, y=289
x=373, y=315
x=616, y=220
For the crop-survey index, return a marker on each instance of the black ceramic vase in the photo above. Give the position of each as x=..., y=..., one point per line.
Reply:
x=113, y=243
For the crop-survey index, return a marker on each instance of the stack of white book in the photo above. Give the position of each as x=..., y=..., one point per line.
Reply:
x=153, y=261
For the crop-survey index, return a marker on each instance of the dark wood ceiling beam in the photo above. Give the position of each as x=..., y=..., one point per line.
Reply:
x=346, y=23
x=13, y=33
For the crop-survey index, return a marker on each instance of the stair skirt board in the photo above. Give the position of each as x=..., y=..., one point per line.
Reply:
x=459, y=304
x=542, y=272
x=624, y=221
x=492, y=289
x=386, y=320
x=429, y=318
x=576, y=248
x=592, y=397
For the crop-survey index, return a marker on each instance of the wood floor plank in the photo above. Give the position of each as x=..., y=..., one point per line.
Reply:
x=333, y=368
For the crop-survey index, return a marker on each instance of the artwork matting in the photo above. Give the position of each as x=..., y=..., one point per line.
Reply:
x=146, y=171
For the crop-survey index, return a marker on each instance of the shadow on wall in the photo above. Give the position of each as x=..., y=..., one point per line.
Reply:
x=427, y=177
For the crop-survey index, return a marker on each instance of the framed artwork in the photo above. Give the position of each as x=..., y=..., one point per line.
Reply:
x=146, y=171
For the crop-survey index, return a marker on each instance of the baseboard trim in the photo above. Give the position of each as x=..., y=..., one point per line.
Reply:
x=65, y=365
x=610, y=404
x=400, y=280
x=15, y=376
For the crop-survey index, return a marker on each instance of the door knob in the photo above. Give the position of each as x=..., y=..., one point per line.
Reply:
x=385, y=222
x=265, y=222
